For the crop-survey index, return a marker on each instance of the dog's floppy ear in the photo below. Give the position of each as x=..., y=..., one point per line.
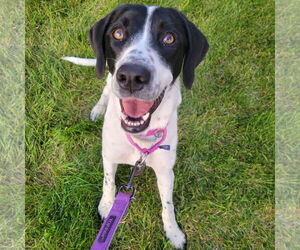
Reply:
x=97, y=40
x=196, y=49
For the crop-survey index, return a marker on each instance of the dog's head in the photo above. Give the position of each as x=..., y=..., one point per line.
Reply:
x=145, y=48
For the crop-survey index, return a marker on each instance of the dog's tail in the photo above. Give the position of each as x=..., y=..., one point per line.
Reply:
x=80, y=61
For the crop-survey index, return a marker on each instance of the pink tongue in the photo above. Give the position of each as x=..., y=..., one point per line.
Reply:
x=136, y=108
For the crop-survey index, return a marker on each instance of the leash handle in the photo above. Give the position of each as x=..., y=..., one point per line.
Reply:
x=110, y=224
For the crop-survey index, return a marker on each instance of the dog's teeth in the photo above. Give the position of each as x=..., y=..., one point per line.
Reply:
x=123, y=116
x=145, y=117
x=132, y=123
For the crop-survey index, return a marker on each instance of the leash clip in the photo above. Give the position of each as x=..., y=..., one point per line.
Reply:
x=136, y=170
x=141, y=165
x=127, y=188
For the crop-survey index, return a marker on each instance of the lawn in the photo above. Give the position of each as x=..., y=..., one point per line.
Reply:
x=224, y=188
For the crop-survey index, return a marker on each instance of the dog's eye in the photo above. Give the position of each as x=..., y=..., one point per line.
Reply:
x=118, y=34
x=169, y=38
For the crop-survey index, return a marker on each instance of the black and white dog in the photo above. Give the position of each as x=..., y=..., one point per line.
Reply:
x=145, y=48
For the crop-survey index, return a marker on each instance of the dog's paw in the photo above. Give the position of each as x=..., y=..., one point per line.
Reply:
x=176, y=237
x=97, y=111
x=104, y=208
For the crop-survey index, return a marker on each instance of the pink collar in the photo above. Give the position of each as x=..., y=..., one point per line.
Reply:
x=157, y=133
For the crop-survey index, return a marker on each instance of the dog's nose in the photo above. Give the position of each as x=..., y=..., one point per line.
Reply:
x=133, y=77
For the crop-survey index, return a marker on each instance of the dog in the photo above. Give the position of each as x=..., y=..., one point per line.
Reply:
x=145, y=49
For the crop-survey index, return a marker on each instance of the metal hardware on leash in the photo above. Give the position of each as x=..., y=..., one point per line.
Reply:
x=141, y=165
x=137, y=169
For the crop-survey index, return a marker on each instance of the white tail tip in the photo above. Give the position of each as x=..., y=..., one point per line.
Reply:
x=80, y=61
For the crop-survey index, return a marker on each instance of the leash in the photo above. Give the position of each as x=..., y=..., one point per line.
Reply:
x=123, y=199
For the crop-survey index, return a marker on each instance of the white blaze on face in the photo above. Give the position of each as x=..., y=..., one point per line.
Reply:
x=145, y=40
x=140, y=51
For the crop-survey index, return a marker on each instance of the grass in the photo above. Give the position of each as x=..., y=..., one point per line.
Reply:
x=12, y=96
x=224, y=188
x=287, y=126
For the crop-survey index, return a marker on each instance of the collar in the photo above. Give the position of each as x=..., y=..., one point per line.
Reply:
x=152, y=135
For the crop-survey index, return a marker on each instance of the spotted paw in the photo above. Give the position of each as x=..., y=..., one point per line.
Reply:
x=176, y=237
x=97, y=111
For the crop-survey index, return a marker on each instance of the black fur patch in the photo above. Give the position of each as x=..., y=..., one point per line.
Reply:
x=184, y=54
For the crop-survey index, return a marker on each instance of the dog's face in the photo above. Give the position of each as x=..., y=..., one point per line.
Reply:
x=145, y=48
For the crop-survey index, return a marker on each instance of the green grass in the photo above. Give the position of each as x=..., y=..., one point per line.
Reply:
x=287, y=126
x=12, y=96
x=224, y=188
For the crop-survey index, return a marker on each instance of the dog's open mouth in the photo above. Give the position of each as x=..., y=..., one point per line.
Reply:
x=136, y=113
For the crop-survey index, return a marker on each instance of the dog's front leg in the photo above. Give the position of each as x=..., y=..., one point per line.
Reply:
x=100, y=108
x=109, y=188
x=165, y=180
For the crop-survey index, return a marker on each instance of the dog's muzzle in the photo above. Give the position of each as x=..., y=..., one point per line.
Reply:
x=136, y=111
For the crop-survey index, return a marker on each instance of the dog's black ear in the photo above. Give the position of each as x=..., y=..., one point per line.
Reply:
x=97, y=40
x=197, y=47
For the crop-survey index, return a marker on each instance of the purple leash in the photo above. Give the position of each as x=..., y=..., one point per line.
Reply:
x=110, y=224
x=122, y=200
x=117, y=212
